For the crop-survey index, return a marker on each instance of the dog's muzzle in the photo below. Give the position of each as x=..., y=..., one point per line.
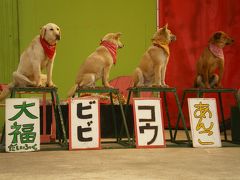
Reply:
x=229, y=42
x=121, y=46
x=173, y=38
x=58, y=37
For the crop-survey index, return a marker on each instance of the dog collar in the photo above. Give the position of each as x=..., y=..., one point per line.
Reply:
x=217, y=51
x=48, y=49
x=163, y=46
x=112, y=48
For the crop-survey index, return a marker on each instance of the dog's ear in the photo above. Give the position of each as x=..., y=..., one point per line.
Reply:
x=153, y=40
x=60, y=34
x=42, y=31
x=118, y=34
x=165, y=27
x=217, y=36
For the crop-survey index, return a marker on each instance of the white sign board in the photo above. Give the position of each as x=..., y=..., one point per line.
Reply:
x=22, y=122
x=204, y=122
x=84, y=124
x=148, y=123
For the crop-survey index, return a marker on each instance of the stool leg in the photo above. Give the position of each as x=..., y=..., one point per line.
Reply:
x=126, y=111
x=58, y=134
x=222, y=115
x=129, y=96
x=124, y=119
x=13, y=94
x=114, y=118
x=199, y=94
x=3, y=135
x=237, y=100
x=168, y=116
x=58, y=111
x=182, y=117
x=178, y=119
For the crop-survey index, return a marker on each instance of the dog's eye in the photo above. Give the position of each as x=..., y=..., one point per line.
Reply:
x=57, y=29
x=51, y=29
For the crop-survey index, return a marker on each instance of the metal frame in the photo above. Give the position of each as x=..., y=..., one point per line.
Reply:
x=200, y=93
x=111, y=91
x=137, y=90
x=56, y=105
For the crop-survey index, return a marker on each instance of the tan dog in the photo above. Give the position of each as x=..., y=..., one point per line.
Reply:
x=98, y=64
x=152, y=68
x=211, y=59
x=40, y=54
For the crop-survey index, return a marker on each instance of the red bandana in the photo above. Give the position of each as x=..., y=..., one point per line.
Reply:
x=112, y=48
x=217, y=51
x=48, y=49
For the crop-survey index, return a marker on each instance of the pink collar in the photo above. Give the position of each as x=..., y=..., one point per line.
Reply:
x=48, y=49
x=112, y=48
x=217, y=51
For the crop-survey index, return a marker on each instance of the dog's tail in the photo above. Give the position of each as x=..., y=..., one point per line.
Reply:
x=138, y=80
x=6, y=91
x=72, y=91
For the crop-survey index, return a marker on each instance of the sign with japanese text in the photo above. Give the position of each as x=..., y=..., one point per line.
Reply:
x=84, y=124
x=22, y=124
x=204, y=122
x=148, y=123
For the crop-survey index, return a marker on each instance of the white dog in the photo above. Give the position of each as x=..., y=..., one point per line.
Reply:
x=40, y=54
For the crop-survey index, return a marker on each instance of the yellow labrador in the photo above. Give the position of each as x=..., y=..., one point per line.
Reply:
x=98, y=64
x=40, y=54
x=152, y=68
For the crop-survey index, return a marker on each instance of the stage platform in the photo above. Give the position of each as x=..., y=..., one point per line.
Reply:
x=173, y=162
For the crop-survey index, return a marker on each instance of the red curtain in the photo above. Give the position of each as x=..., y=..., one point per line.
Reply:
x=193, y=22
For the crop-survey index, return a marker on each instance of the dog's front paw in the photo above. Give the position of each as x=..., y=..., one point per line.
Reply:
x=108, y=86
x=207, y=86
x=40, y=84
x=219, y=86
x=50, y=84
x=165, y=86
x=156, y=85
x=33, y=84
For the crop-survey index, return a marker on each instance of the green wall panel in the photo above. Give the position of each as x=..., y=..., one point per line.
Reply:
x=9, y=49
x=83, y=23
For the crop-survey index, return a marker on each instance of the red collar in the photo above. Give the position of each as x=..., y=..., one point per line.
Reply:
x=217, y=51
x=48, y=49
x=112, y=48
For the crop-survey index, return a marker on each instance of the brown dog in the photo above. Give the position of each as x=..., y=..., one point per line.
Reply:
x=211, y=59
x=152, y=68
x=98, y=64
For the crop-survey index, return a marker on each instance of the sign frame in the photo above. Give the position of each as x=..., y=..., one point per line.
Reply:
x=70, y=123
x=217, y=136
x=162, y=123
x=24, y=117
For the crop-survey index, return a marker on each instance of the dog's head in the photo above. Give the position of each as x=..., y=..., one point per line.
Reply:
x=163, y=36
x=51, y=33
x=113, y=38
x=221, y=39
